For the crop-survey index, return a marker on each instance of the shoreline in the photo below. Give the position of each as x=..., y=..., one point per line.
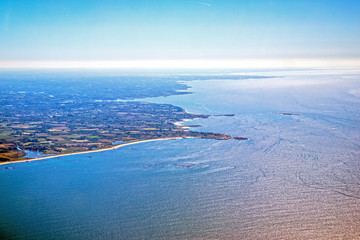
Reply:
x=92, y=151
x=179, y=123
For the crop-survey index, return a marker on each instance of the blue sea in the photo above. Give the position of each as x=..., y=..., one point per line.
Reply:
x=297, y=177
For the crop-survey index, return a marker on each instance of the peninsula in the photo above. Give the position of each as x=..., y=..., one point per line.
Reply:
x=68, y=117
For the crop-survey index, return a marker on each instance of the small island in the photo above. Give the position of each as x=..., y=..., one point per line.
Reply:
x=288, y=113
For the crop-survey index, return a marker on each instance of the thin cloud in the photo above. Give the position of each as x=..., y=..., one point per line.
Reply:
x=205, y=4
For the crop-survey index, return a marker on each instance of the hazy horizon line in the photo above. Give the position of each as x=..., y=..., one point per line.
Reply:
x=182, y=63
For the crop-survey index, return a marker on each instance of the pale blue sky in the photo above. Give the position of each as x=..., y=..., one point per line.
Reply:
x=184, y=29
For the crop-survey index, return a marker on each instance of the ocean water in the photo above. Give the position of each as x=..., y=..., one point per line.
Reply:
x=297, y=177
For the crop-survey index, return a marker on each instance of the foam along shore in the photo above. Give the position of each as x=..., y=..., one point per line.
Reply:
x=92, y=151
x=180, y=123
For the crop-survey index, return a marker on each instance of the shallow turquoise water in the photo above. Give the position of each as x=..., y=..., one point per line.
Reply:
x=297, y=176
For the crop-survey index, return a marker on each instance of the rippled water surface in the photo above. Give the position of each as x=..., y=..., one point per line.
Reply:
x=297, y=177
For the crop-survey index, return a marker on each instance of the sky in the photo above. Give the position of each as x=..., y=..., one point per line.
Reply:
x=121, y=30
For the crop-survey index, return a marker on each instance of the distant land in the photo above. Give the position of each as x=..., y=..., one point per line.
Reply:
x=66, y=113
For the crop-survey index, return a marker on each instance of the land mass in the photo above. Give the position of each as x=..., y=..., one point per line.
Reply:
x=64, y=119
x=89, y=126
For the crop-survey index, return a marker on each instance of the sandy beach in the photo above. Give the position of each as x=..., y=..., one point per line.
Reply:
x=92, y=151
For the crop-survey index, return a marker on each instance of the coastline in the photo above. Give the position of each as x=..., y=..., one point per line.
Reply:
x=92, y=151
x=179, y=123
